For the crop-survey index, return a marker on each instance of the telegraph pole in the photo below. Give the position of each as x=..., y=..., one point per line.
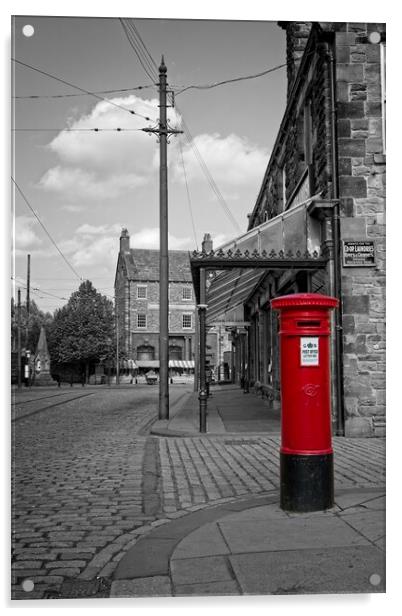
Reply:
x=163, y=131
x=117, y=349
x=19, y=340
x=28, y=297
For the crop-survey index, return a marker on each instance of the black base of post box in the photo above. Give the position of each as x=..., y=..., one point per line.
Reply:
x=307, y=482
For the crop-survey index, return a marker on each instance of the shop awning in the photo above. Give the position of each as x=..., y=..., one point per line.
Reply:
x=128, y=363
x=292, y=230
x=147, y=363
x=173, y=363
x=181, y=363
x=288, y=241
x=228, y=291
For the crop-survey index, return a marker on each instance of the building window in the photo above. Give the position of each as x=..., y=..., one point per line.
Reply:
x=175, y=352
x=187, y=293
x=141, y=320
x=141, y=292
x=187, y=321
x=145, y=352
x=282, y=188
x=308, y=134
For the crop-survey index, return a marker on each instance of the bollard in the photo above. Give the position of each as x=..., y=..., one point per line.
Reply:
x=246, y=387
x=306, y=454
x=202, y=397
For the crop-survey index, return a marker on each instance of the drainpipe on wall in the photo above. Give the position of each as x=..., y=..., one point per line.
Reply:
x=340, y=414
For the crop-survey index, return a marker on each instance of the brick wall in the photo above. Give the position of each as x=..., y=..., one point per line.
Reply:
x=362, y=192
x=150, y=307
x=297, y=33
x=122, y=308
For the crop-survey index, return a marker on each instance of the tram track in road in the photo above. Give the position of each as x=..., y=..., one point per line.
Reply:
x=50, y=406
x=65, y=393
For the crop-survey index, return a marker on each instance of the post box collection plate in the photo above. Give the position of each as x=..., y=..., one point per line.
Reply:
x=309, y=353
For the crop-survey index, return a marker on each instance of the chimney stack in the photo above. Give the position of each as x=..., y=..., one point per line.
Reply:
x=124, y=241
x=207, y=245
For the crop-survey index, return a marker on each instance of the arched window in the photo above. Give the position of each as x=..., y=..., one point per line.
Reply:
x=175, y=352
x=145, y=352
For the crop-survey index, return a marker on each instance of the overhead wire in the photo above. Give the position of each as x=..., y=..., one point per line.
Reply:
x=142, y=57
x=147, y=58
x=188, y=195
x=151, y=60
x=207, y=173
x=50, y=96
x=102, y=98
x=152, y=74
x=235, y=79
x=72, y=130
x=36, y=289
x=46, y=231
x=39, y=291
x=137, y=49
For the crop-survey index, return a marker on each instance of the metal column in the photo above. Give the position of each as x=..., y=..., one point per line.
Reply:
x=202, y=309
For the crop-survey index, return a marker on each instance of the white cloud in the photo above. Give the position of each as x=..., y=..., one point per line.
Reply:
x=102, y=229
x=149, y=238
x=78, y=184
x=93, y=245
x=99, y=245
x=73, y=209
x=25, y=237
x=103, y=165
x=233, y=161
x=99, y=251
x=99, y=166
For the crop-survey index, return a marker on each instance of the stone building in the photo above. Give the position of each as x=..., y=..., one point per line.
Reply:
x=137, y=307
x=323, y=193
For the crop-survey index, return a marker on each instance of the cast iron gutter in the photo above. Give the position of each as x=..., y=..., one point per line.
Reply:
x=340, y=415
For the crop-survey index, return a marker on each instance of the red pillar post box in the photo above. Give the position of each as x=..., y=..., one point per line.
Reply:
x=306, y=455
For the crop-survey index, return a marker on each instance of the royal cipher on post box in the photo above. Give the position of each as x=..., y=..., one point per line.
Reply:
x=306, y=454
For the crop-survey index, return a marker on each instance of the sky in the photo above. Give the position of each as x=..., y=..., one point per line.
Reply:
x=85, y=186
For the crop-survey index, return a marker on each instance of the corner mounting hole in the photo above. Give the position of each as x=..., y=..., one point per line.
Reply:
x=375, y=579
x=28, y=30
x=28, y=585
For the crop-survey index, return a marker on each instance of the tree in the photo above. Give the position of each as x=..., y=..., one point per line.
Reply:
x=82, y=331
x=37, y=318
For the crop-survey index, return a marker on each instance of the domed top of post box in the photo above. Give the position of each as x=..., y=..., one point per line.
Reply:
x=315, y=300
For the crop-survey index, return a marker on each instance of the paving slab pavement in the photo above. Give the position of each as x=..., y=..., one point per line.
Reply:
x=229, y=411
x=260, y=549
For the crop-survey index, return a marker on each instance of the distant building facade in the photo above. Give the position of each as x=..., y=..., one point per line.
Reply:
x=137, y=306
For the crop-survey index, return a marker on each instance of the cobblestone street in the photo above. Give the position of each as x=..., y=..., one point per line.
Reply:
x=77, y=480
x=89, y=480
x=200, y=470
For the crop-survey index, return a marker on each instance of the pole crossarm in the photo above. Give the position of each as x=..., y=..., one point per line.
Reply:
x=162, y=130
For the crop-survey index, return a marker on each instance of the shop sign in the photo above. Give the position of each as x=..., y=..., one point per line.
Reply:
x=358, y=253
x=309, y=351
